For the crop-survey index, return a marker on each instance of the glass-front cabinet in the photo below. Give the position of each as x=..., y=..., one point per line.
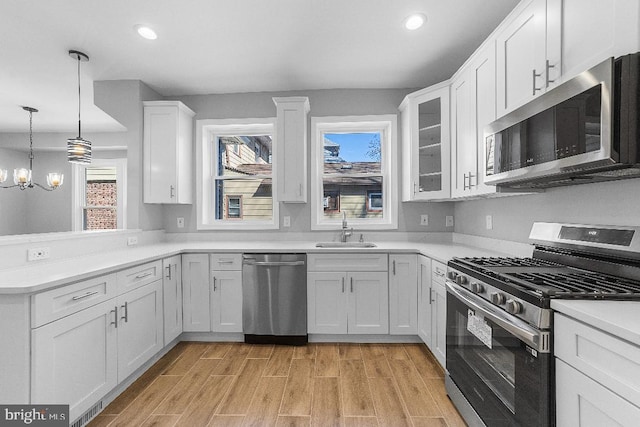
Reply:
x=425, y=144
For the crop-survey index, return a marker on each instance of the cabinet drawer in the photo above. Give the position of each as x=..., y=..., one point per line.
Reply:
x=139, y=275
x=438, y=271
x=348, y=262
x=612, y=362
x=221, y=262
x=60, y=302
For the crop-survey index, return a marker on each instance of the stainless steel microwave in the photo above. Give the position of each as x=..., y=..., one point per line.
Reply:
x=584, y=130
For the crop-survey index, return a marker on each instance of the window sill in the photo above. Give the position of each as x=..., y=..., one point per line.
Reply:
x=238, y=226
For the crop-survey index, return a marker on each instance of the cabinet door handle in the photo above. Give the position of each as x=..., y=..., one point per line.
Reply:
x=343, y=285
x=172, y=191
x=168, y=271
x=394, y=267
x=430, y=295
x=300, y=190
x=142, y=276
x=547, y=67
x=415, y=188
x=214, y=283
x=351, y=284
x=115, y=317
x=464, y=182
x=126, y=312
x=535, y=76
x=88, y=294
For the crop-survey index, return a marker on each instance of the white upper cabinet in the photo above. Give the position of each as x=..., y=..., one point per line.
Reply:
x=528, y=54
x=291, y=148
x=463, y=143
x=425, y=144
x=167, y=152
x=593, y=30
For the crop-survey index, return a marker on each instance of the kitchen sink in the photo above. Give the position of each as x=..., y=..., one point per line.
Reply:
x=345, y=245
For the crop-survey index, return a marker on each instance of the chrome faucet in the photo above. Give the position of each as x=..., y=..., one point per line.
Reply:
x=346, y=232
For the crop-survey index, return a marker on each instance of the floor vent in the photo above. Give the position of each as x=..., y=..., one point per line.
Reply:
x=88, y=416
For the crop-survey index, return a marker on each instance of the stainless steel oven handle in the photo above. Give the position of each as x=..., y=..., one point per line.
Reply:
x=275, y=263
x=515, y=326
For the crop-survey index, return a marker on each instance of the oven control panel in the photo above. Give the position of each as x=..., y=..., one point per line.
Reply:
x=524, y=310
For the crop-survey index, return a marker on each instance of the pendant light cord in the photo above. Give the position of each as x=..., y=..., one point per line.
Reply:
x=79, y=128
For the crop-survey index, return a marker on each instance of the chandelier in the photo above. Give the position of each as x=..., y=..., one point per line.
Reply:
x=22, y=178
x=78, y=148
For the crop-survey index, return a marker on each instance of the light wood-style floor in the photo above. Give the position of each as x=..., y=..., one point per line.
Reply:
x=237, y=384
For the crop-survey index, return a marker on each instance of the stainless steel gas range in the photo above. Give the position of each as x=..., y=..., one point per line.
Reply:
x=499, y=358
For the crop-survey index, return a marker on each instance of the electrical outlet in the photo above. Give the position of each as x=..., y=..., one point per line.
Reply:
x=286, y=221
x=38, y=253
x=449, y=221
x=424, y=219
x=489, y=221
x=180, y=222
x=132, y=240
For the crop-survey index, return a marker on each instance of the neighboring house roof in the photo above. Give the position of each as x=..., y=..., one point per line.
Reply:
x=331, y=168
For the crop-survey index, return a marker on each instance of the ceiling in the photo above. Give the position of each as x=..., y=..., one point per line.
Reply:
x=224, y=46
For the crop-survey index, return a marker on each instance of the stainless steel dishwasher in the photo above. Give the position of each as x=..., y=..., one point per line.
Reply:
x=274, y=298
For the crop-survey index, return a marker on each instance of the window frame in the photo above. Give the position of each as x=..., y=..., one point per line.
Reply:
x=78, y=194
x=207, y=132
x=387, y=126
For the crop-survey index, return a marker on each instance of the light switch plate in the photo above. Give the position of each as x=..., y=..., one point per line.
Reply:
x=286, y=221
x=449, y=221
x=180, y=222
x=132, y=240
x=424, y=219
x=489, y=222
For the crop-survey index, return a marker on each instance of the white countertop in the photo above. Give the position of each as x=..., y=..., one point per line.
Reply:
x=619, y=318
x=47, y=275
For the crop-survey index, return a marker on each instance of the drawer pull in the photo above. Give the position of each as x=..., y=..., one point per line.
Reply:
x=168, y=268
x=225, y=261
x=352, y=285
x=142, y=276
x=126, y=312
x=439, y=272
x=88, y=294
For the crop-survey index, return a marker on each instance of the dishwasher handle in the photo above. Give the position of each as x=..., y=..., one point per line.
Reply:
x=272, y=263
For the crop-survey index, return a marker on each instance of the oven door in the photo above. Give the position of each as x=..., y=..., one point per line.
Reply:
x=499, y=363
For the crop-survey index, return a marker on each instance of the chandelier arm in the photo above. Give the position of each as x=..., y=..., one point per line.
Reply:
x=43, y=187
x=8, y=186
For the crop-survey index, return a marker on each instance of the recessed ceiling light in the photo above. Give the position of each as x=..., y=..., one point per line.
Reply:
x=146, y=32
x=415, y=21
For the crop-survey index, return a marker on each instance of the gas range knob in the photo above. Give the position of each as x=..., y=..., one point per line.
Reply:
x=497, y=298
x=514, y=307
x=478, y=288
x=452, y=275
x=461, y=280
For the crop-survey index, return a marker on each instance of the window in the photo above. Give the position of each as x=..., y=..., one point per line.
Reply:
x=353, y=172
x=99, y=195
x=234, y=206
x=374, y=201
x=235, y=187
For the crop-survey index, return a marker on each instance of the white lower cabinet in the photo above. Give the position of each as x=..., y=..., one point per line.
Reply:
x=74, y=360
x=196, y=304
x=433, y=307
x=79, y=358
x=403, y=294
x=140, y=327
x=597, y=376
x=348, y=302
x=226, y=301
x=172, y=297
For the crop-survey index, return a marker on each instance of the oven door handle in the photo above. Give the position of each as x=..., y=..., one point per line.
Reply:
x=530, y=336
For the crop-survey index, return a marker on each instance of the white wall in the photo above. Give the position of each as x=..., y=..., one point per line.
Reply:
x=12, y=201
x=335, y=102
x=610, y=203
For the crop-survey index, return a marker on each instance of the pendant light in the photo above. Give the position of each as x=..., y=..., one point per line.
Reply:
x=22, y=177
x=79, y=149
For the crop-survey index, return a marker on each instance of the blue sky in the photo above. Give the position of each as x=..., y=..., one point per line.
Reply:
x=353, y=146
